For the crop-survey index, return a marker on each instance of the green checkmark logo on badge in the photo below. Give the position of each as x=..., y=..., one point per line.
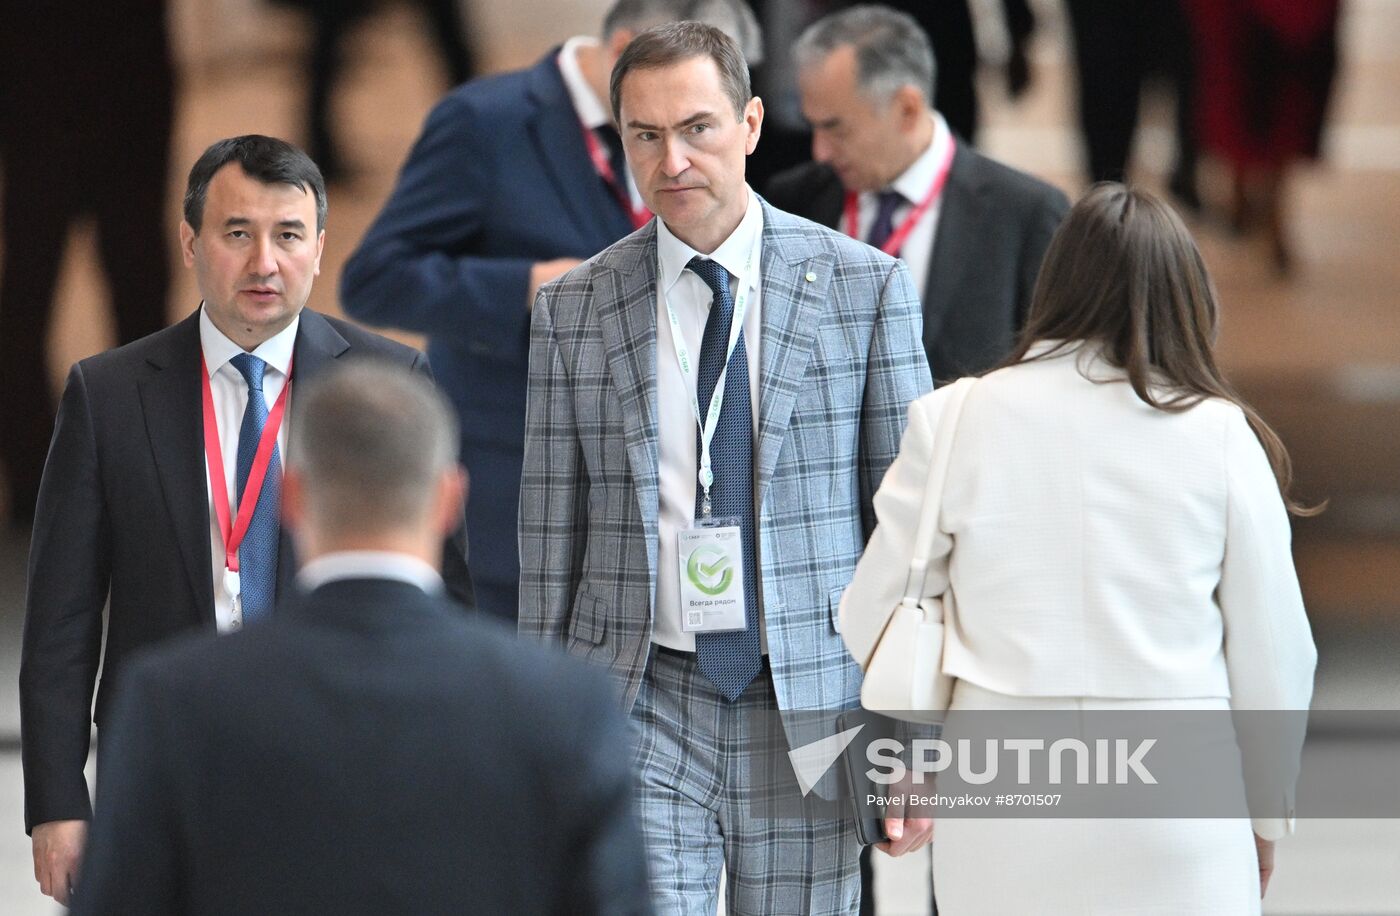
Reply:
x=709, y=570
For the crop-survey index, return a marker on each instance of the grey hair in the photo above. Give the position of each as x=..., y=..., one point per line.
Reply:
x=371, y=441
x=891, y=50
x=732, y=17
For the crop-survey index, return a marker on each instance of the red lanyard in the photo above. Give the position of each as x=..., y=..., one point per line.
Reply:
x=898, y=237
x=601, y=164
x=233, y=532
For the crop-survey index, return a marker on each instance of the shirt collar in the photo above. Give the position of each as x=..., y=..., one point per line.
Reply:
x=276, y=351
x=913, y=183
x=732, y=254
x=369, y=564
x=590, y=109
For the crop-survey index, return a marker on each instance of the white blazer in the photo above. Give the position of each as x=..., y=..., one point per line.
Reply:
x=1094, y=546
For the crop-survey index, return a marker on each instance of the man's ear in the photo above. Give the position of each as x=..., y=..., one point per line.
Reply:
x=617, y=42
x=911, y=105
x=450, y=500
x=187, y=237
x=753, y=122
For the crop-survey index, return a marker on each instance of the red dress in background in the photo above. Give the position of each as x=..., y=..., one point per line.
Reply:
x=1265, y=75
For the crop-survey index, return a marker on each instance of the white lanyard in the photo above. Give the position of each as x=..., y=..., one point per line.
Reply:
x=736, y=327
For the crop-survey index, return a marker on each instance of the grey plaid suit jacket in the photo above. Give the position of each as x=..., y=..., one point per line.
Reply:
x=841, y=358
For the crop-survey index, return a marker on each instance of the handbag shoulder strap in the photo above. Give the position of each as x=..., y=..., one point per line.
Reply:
x=937, y=475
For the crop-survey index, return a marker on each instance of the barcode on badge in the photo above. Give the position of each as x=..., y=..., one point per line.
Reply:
x=694, y=618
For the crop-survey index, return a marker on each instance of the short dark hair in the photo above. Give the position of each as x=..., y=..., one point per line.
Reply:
x=891, y=49
x=266, y=159
x=733, y=16
x=677, y=41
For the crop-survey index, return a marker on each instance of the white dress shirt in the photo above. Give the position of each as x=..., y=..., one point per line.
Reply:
x=591, y=110
x=369, y=564
x=230, y=392
x=677, y=461
x=914, y=184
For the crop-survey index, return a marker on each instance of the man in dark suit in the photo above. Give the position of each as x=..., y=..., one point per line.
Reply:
x=369, y=750
x=889, y=171
x=515, y=179
x=126, y=508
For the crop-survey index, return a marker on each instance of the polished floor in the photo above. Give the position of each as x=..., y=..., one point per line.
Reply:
x=1319, y=353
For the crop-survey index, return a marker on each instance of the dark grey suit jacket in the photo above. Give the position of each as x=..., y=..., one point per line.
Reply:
x=123, y=515
x=368, y=751
x=994, y=225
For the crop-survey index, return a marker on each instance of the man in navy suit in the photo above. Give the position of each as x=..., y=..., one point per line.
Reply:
x=514, y=180
x=369, y=750
x=127, y=516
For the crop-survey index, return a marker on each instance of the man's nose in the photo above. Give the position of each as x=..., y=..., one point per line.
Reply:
x=264, y=259
x=676, y=159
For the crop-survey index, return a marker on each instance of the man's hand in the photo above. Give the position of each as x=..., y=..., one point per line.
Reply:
x=906, y=834
x=1265, y=849
x=544, y=271
x=58, y=851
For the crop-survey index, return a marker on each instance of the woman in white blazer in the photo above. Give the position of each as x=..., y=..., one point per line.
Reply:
x=1112, y=534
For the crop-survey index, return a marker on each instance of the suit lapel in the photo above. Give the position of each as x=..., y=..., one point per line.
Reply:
x=625, y=297
x=557, y=136
x=317, y=347
x=792, y=307
x=172, y=407
x=955, y=242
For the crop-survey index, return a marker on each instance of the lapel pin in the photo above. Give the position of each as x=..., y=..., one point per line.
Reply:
x=811, y=277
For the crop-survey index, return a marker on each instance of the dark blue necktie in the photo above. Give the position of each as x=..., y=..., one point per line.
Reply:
x=883, y=227
x=257, y=555
x=730, y=659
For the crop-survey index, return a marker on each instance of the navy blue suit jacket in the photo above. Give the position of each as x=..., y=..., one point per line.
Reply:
x=499, y=179
x=367, y=751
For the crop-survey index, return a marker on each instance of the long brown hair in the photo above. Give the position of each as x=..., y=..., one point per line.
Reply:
x=1123, y=271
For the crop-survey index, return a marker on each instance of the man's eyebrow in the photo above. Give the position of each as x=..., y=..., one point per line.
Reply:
x=245, y=221
x=698, y=116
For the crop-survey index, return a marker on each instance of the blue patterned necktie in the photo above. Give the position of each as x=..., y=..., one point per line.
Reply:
x=733, y=658
x=257, y=555
x=883, y=227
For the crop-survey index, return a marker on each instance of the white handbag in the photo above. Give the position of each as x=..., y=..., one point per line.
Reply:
x=905, y=678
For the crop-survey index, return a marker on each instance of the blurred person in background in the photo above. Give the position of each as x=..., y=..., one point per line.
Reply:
x=150, y=505
x=331, y=22
x=1118, y=49
x=85, y=118
x=948, y=24
x=1267, y=68
x=891, y=172
x=370, y=751
x=514, y=180
x=1146, y=506
x=949, y=27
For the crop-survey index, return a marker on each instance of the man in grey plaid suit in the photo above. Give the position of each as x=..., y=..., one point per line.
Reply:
x=652, y=475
